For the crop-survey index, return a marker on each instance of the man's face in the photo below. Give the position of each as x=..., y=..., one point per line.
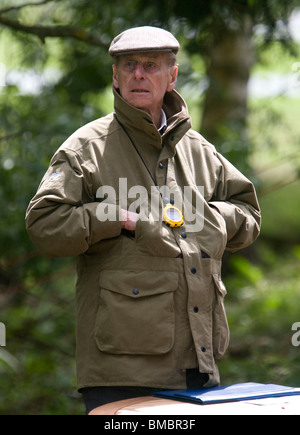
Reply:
x=144, y=78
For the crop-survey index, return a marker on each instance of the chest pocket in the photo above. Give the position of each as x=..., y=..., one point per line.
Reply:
x=136, y=312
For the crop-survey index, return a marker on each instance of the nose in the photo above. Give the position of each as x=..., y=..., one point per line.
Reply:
x=139, y=72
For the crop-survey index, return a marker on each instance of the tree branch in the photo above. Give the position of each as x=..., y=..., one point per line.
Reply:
x=277, y=186
x=11, y=136
x=16, y=8
x=44, y=32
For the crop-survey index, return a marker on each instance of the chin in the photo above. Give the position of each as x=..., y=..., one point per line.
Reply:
x=143, y=99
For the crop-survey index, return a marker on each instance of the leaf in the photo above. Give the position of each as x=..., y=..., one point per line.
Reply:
x=243, y=267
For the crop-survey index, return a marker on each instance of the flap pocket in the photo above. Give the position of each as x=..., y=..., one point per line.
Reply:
x=136, y=312
x=138, y=283
x=220, y=286
x=220, y=324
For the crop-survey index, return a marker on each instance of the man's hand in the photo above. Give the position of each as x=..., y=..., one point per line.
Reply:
x=129, y=220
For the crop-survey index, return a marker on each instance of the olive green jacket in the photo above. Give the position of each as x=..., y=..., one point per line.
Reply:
x=150, y=304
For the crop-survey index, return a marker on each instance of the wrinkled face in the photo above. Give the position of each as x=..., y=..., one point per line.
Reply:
x=144, y=78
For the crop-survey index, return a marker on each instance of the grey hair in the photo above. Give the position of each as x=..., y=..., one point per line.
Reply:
x=173, y=59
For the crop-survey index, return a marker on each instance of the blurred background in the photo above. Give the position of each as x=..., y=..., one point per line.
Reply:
x=240, y=75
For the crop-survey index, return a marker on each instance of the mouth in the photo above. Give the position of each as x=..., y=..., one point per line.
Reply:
x=140, y=91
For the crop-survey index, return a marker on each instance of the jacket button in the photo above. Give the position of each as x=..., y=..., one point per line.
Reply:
x=196, y=309
x=135, y=291
x=161, y=165
x=193, y=270
x=203, y=349
x=184, y=235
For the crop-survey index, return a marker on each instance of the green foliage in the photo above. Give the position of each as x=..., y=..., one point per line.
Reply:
x=37, y=368
x=261, y=314
x=242, y=267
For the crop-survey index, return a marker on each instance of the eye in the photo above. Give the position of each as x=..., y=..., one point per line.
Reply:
x=150, y=67
x=130, y=65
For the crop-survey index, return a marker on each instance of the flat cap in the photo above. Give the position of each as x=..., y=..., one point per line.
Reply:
x=143, y=39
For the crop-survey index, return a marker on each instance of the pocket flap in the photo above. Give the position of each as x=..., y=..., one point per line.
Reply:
x=137, y=284
x=220, y=285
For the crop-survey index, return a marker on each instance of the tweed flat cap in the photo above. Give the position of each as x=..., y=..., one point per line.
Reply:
x=143, y=39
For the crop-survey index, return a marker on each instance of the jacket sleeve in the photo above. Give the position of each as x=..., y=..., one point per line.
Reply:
x=61, y=219
x=236, y=200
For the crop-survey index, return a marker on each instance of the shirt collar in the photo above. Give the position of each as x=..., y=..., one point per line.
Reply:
x=164, y=122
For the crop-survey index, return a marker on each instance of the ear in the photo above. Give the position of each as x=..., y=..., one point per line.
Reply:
x=173, y=78
x=115, y=77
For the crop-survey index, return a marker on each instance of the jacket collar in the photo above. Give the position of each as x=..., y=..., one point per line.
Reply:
x=140, y=126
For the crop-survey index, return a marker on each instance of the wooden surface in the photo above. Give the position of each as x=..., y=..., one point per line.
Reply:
x=154, y=406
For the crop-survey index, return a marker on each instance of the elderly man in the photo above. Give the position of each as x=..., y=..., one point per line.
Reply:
x=150, y=298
